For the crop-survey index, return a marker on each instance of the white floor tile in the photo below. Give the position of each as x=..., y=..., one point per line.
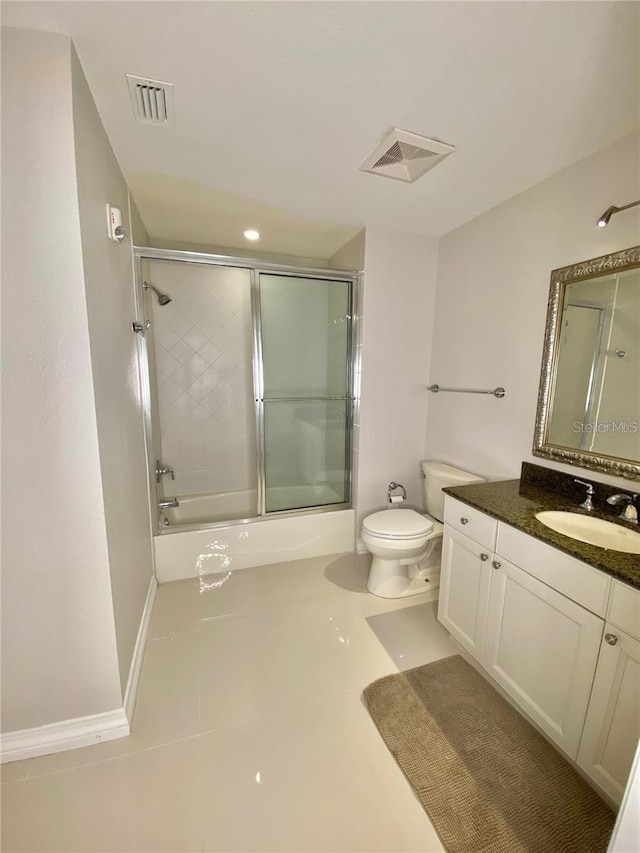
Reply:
x=322, y=576
x=412, y=636
x=176, y=609
x=143, y=802
x=246, y=592
x=14, y=771
x=253, y=761
x=352, y=652
x=257, y=666
x=337, y=805
x=250, y=732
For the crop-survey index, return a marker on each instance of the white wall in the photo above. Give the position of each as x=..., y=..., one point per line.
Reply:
x=397, y=308
x=111, y=307
x=351, y=255
x=493, y=284
x=59, y=657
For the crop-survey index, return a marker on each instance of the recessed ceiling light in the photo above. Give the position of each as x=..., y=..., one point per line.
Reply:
x=252, y=234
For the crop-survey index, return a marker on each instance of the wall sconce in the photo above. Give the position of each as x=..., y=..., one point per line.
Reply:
x=611, y=211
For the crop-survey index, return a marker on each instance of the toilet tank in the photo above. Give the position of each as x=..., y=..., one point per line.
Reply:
x=437, y=475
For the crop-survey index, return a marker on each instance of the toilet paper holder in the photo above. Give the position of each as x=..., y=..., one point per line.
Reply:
x=392, y=487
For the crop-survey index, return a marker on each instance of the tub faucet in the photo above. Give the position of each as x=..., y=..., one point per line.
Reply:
x=588, y=502
x=168, y=503
x=630, y=511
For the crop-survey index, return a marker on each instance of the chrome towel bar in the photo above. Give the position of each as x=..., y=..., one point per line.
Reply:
x=496, y=392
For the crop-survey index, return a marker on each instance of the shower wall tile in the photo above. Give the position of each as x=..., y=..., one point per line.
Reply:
x=203, y=351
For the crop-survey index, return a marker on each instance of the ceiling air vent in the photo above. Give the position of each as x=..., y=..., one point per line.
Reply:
x=152, y=100
x=405, y=156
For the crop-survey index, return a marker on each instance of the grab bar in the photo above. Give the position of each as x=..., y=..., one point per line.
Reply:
x=496, y=392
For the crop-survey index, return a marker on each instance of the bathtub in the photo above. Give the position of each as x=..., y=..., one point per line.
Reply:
x=208, y=509
x=190, y=552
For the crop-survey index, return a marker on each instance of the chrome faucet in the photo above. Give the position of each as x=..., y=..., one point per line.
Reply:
x=161, y=470
x=168, y=503
x=630, y=511
x=588, y=502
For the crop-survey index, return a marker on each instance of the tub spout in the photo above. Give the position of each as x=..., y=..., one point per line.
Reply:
x=168, y=503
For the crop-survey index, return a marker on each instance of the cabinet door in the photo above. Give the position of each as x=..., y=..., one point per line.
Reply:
x=542, y=649
x=464, y=589
x=612, y=727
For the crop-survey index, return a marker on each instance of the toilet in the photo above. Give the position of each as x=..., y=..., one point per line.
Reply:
x=406, y=544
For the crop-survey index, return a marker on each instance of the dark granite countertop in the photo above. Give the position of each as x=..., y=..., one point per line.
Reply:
x=516, y=502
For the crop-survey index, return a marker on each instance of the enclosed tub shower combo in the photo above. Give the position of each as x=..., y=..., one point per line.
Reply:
x=248, y=378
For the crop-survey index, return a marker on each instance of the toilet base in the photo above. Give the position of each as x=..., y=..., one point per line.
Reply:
x=396, y=579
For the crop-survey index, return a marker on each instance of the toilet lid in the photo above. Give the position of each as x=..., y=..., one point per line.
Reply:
x=397, y=524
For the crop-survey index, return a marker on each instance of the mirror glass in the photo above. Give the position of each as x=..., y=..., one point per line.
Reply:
x=589, y=403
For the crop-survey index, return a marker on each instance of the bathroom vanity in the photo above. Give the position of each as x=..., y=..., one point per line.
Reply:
x=553, y=622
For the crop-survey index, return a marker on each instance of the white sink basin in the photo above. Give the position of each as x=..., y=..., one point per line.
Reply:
x=593, y=531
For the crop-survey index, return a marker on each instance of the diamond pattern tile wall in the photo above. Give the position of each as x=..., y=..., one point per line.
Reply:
x=203, y=352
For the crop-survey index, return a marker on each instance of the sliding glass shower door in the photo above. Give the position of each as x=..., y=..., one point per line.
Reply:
x=306, y=401
x=215, y=335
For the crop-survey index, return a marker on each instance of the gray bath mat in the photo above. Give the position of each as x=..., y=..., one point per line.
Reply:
x=488, y=780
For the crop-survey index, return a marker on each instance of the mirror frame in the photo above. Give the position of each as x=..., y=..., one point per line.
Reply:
x=560, y=278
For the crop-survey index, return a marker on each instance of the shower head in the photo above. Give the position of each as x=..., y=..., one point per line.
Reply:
x=163, y=299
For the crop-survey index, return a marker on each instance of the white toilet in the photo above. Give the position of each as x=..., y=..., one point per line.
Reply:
x=406, y=545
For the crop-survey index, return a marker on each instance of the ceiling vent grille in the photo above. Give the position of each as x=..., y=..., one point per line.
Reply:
x=405, y=156
x=152, y=101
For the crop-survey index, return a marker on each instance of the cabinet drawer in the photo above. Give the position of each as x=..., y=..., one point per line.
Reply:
x=473, y=523
x=624, y=608
x=583, y=584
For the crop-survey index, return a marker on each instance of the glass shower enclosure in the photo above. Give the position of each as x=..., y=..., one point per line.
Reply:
x=248, y=387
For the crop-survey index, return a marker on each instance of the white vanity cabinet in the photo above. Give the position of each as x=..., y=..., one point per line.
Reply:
x=612, y=726
x=542, y=649
x=560, y=637
x=466, y=574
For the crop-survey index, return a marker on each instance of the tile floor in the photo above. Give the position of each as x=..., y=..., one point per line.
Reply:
x=250, y=733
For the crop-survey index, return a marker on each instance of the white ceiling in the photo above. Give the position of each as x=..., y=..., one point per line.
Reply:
x=278, y=103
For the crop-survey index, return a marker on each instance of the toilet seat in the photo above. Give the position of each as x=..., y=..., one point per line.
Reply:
x=397, y=524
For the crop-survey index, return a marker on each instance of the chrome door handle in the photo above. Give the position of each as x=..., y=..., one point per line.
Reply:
x=611, y=639
x=496, y=564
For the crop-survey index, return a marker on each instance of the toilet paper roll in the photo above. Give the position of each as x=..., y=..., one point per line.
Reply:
x=396, y=499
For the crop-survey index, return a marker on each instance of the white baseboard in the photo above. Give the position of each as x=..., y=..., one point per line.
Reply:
x=361, y=548
x=67, y=734
x=85, y=731
x=133, y=682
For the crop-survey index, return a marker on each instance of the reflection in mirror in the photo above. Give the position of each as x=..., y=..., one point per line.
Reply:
x=589, y=402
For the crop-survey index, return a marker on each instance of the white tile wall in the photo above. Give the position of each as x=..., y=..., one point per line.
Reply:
x=203, y=349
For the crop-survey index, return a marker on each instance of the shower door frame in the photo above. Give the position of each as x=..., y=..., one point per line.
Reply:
x=255, y=268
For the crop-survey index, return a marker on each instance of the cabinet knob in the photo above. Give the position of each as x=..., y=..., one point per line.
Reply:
x=496, y=564
x=611, y=639
x=464, y=521
x=484, y=557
